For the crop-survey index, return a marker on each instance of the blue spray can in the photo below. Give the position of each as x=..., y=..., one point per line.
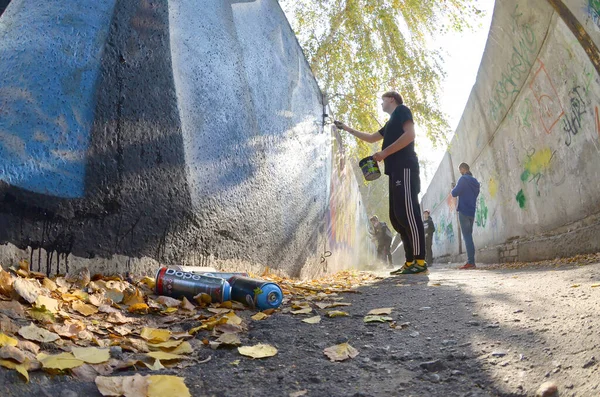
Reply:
x=258, y=294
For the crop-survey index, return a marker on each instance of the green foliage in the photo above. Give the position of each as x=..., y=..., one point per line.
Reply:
x=359, y=49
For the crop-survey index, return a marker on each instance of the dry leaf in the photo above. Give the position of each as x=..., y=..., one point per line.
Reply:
x=6, y=283
x=258, y=351
x=48, y=303
x=107, y=309
x=232, y=318
x=7, y=325
x=184, y=348
x=88, y=373
x=133, y=297
x=336, y=313
x=154, y=335
x=97, y=299
x=69, y=329
x=377, y=319
x=595, y=285
x=312, y=320
x=27, y=289
x=6, y=340
x=130, y=386
x=12, y=309
x=118, y=318
x=42, y=315
x=11, y=352
x=31, y=332
x=140, y=308
x=259, y=316
x=330, y=305
x=187, y=305
x=298, y=393
x=575, y=285
x=84, y=308
x=91, y=355
x=75, y=295
x=49, y=284
x=59, y=361
x=340, y=352
x=148, y=281
x=157, y=366
x=121, y=330
x=115, y=295
x=378, y=312
x=167, y=385
x=170, y=310
x=28, y=346
x=306, y=310
x=203, y=298
x=168, y=301
x=229, y=339
x=229, y=328
x=167, y=345
x=165, y=356
x=20, y=368
x=216, y=310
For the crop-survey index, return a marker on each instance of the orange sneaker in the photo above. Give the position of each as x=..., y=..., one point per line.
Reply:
x=467, y=266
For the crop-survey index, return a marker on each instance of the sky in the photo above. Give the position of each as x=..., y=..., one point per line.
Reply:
x=461, y=63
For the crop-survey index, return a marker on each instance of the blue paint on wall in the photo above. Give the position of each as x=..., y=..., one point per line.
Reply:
x=47, y=91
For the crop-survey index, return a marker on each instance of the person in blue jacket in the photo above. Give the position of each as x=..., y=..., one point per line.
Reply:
x=467, y=190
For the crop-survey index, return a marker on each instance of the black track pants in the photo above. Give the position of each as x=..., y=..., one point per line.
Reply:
x=405, y=211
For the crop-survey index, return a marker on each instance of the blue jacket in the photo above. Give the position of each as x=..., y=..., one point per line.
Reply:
x=467, y=190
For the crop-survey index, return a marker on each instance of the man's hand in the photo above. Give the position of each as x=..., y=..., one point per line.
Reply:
x=379, y=156
x=340, y=126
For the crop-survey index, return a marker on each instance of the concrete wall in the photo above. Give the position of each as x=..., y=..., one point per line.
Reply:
x=141, y=132
x=530, y=132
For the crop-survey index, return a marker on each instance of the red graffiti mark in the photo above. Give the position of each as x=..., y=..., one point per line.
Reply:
x=451, y=202
x=597, y=122
x=550, y=108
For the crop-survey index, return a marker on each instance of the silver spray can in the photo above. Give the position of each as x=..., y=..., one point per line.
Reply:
x=177, y=284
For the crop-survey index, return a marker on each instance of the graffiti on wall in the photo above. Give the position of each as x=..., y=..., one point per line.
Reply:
x=549, y=105
x=481, y=212
x=593, y=10
x=516, y=70
x=572, y=120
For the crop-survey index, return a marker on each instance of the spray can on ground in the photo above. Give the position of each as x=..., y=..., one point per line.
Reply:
x=256, y=293
x=208, y=271
x=176, y=283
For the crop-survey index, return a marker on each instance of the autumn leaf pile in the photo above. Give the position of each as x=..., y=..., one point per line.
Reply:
x=92, y=327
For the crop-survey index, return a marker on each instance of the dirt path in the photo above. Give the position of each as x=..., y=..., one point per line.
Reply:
x=458, y=333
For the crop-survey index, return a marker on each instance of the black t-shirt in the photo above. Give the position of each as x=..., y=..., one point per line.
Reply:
x=391, y=131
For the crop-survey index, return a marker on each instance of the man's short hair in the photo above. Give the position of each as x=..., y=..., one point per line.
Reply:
x=395, y=95
x=427, y=212
x=464, y=166
x=374, y=218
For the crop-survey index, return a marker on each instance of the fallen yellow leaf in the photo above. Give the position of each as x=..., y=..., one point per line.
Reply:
x=184, y=348
x=340, y=352
x=31, y=332
x=232, y=318
x=20, y=368
x=140, y=308
x=378, y=312
x=167, y=345
x=6, y=340
x=306, y=310
x=155, y=335
x=130, y=386
x=595, y=285
x=48, y=303
x=170, y=310
x=259, y=316
x=187, y=305
x=59, y=361
x=157, y=366
x=336, y=313
x=312, y=320
x=49, y=284
x=165, y=356
x=229, y=339
x=167, y=385
x=84, y=308
x=258, y=351
x=91, y=355
x=132, y=297
x=575, y=285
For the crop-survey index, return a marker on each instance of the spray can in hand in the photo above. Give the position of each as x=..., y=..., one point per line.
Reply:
x=257, y=294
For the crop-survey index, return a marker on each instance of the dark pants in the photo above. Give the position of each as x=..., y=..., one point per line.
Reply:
x=466, y=226
x=405, y=211
x=384, y=251
x=428, y=249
